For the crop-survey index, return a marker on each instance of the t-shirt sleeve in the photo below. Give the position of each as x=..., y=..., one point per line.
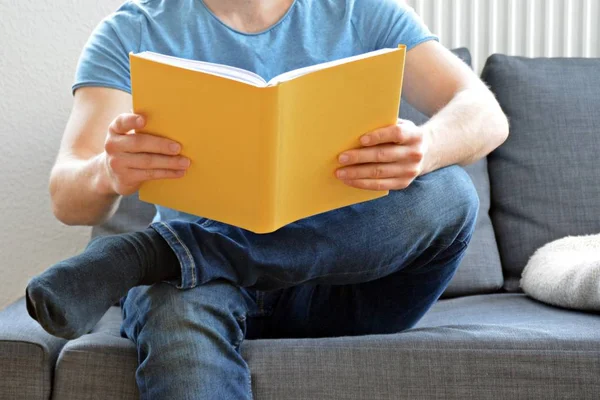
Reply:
x=388, y=23
x=104, y=61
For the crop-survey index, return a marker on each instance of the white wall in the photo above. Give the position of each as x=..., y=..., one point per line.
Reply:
x=531, y=28
x=40, y=42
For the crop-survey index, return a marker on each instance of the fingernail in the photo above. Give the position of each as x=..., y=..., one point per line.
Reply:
x=365, y=140
x=341, y=174
x=175, y=147
x=344, y=158
x=139, y=122
x=184, y=162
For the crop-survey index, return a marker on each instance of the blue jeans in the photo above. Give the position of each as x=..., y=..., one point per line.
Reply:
x=370, y=268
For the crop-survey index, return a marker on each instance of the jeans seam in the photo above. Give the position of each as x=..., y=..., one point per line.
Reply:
x=249, y=381
x=187, y=251
x=138, y=315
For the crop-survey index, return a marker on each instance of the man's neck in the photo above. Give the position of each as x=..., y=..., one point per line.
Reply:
x=249, y=16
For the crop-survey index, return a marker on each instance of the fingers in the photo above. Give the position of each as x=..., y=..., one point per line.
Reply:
x=391, y=158
x=130, y=182
x=378, y=171
x=404, y=133
x=130, y=170
x=148, y=161
x=141, y=175
x=141, y=143
x=384, y=153
x=380, y=184
x=132, y=158
x=125, y=123
x=120, y=141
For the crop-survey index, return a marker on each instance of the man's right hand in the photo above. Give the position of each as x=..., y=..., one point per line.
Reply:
x=132, y=158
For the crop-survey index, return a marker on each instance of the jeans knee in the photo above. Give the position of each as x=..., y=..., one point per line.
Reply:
x=457, y=200
x=163, y=313
x=188, y=341
x=443, y=206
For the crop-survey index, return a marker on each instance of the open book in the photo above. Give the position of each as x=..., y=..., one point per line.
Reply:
x=263, y=153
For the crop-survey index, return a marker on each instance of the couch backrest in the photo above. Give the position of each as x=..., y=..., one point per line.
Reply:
x=545, y=179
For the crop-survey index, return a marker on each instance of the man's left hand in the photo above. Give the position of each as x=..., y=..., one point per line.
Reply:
x=390, y=159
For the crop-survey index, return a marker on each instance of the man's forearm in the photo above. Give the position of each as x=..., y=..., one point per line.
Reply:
x=80, y=192
x=468, y=128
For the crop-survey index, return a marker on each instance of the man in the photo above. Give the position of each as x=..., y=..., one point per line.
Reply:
x=375, y=267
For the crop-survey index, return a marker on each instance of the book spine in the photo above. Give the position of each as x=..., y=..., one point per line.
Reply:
x=271, y=126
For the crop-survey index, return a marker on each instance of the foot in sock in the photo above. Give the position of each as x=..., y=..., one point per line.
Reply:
x=69, y=298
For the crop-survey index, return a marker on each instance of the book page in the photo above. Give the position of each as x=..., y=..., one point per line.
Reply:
x=224, y=71
x=286, y=76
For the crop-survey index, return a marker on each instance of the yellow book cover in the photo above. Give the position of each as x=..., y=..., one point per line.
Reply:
x=263, y=154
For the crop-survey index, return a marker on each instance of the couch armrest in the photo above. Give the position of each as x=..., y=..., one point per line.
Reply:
x=27, y=355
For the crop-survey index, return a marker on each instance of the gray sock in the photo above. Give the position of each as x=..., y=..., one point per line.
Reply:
x=69, y=298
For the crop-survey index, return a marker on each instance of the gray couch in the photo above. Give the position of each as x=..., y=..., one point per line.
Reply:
x=483, y=340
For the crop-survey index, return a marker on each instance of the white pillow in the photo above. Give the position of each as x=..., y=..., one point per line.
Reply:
x=566, y=273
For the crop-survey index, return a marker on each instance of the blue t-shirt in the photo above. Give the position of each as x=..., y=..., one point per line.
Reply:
x=311, y=32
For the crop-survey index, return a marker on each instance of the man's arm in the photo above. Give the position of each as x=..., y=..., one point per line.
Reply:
x=101, y=158
x=79, y=186
x=467, y=123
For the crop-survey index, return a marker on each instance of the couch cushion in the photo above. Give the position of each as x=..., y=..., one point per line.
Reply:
x=480, y=271
x=490, y=346
x=100, y=365
x=544, y=179
x=27, y=355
